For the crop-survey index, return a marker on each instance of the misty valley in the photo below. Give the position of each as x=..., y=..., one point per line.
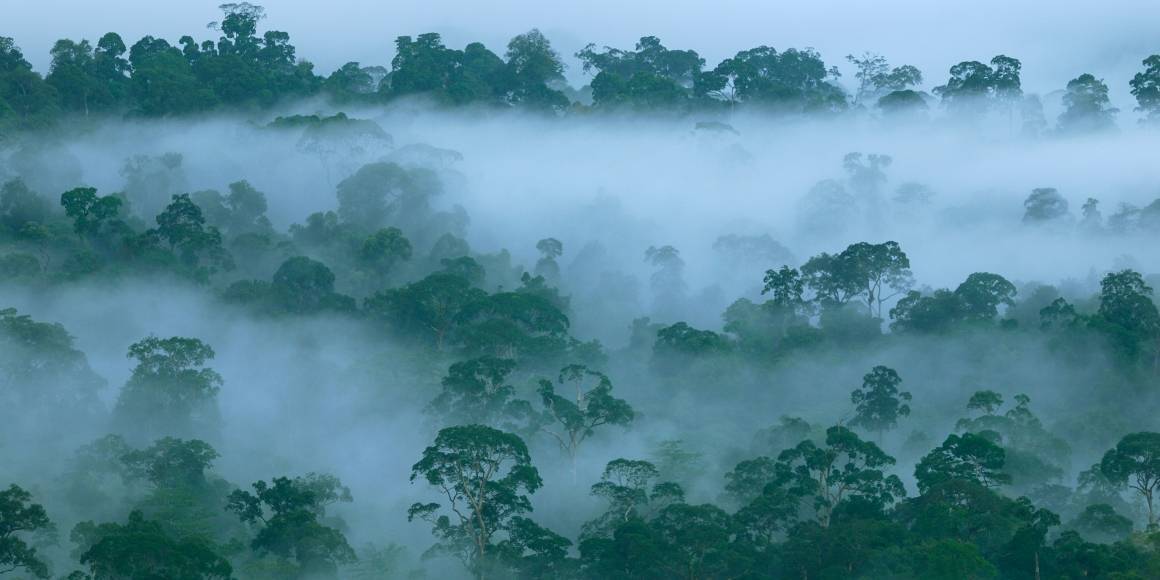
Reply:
x=615, y=313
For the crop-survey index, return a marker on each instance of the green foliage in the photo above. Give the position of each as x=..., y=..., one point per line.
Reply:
x=383, y=194
x=1129, y=319
x=846, y=468
x=986, y=401
x=19, y=518
x=182, y=227
x=171, y=463
x=43, y=371
x=26, y=101
x=651, y=77
x=874, y=272
x=1135, y=463
x=632, y=491
x=428, y=310
x=879, y=403
x=1146, y=88
x=969, y=457
x=286, y=513
x=570, y=420
x=1100, y=523
x=485, y=475
x=974, y=87
x=141, y=548
x=1043, y=205
x=475, y=392
x=171, y=391
x=975, y=302
x=790, y=81
x=513, y=325
x=1087, y=107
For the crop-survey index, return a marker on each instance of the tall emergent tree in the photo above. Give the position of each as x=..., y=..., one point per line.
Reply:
x=1087, y=106
x=286, y=514
x=879, y=403
x=1146, y=88
x=572, y=419
x=171, y=391
x=845, y=467
x=485, y=475
x=18, y=518
x=1135, y=462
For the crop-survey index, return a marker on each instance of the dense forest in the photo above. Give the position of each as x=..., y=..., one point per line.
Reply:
x=457, y=317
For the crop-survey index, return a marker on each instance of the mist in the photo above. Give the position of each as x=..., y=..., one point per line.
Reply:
x=197, y=302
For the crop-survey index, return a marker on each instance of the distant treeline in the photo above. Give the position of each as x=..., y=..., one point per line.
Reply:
x=247, y=70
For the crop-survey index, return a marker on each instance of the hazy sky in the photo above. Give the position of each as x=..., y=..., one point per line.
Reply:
x=1056, y=41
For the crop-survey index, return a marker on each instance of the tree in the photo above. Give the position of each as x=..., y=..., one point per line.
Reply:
x=26, y=101
x=475, y=393
x=513, y=325
x=92, y=215
x=787, y=287
x=882, y=269
x=981, y=294
x=382, y=251
x=533, y=551
x=382, y=194
x=968, y=87
x=950, y=559
x=350, y=83
x=70, y=74
x=44, y=378
x=1006, y=86
x=748, y=479
x=939, y=312
x=792, y=80
x=968, y=457
x=698, y=543
x=534, y=67
x=986, y=401
x=870, y=68
x=668, y=281
x=20, y=206
x=550, y=249
x=845, y=468
x=1044, y=204
x=903, y=104
x=1100, y=523
x=1087, y=107
x=875, y=77
x=679, y=345
x=171, y=391
x=421, y=64
x=163, y=81
x=1135, y=462
x=141, y=548
x=305, y=286
x=18, y=518
x=879, y=403
x=428, y=309
x=486, y=476
x=183, y=227
x=1146, y=88
x=572, y=420
x=651, y=77
x=286, y=513
x=1129, y=318
x=876, y=272
x=171, y=463
x=632, y=492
